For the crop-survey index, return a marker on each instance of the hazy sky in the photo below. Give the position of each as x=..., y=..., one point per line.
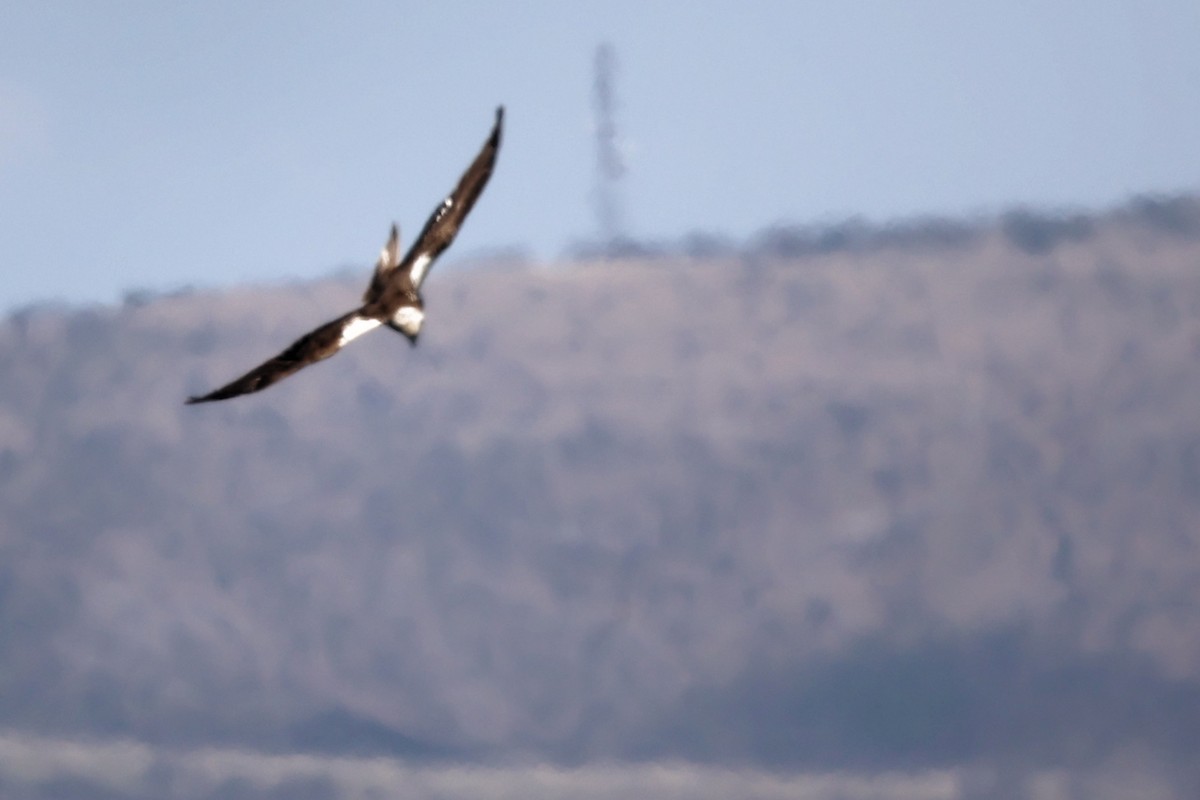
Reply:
x=156, y=145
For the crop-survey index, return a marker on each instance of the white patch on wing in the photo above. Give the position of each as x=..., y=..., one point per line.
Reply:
x=419, y=267
x=409, y=319
x=356, y=327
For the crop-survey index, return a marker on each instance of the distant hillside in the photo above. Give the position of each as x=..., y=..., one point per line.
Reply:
x=852, y=497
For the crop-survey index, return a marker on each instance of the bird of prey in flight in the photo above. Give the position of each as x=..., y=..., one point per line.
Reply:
x=394, y=296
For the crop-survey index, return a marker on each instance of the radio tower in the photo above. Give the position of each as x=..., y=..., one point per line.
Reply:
x=609, y=166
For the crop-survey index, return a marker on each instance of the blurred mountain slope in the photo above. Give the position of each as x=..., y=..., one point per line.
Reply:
x=674, y=506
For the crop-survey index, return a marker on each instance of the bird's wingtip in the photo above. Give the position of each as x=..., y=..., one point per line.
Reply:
x=494, y=139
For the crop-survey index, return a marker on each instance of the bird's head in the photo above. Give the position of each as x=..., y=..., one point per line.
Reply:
x=408, y=320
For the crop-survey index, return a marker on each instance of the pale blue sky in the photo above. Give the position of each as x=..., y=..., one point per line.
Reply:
x=162, y=144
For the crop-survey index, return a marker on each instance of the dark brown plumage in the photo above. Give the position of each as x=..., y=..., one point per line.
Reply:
x=393, y=297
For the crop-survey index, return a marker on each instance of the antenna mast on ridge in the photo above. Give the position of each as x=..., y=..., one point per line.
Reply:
x=609, y=165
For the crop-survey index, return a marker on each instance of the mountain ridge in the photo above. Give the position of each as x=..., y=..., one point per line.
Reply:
x=599, y=505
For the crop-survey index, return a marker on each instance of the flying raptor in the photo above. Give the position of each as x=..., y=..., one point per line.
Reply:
x=394, y=295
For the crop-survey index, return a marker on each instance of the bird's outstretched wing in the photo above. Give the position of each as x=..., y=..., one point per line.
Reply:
x=442, y=227
x=308, y=349
x=389, y=259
